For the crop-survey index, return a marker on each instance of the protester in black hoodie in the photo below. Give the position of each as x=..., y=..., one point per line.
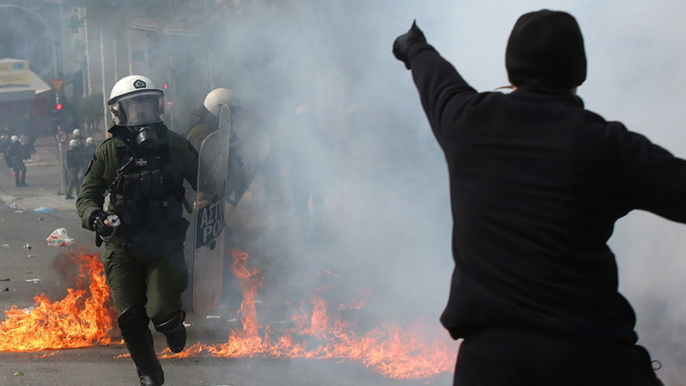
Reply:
x=537, y=183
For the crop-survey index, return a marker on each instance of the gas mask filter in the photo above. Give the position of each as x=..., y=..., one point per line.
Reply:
x=147, y=141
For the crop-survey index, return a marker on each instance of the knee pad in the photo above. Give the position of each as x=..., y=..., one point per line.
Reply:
x=173, y=323
x=133, y=320
x=174, y=331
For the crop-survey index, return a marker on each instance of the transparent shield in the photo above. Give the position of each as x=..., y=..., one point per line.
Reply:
x=208, y=261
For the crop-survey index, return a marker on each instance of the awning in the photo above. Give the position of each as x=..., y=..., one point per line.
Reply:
x=18, y=83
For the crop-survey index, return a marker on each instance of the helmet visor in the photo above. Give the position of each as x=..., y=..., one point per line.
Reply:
x=142, y=108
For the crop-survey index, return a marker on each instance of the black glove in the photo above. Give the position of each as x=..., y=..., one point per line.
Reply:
x=402, y=43
x=98, y=218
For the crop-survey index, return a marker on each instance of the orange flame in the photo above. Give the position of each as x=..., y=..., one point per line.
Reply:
x=390, y=350
x=78, y=320
x=82, y=320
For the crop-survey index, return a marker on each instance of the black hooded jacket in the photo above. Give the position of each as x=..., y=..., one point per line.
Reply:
x=537, y=183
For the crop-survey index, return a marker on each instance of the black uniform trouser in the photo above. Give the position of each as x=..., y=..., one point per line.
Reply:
x=19, y=169
x=73, y=180
x=506, y=357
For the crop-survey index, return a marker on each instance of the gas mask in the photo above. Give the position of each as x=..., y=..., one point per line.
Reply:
x=147, y=141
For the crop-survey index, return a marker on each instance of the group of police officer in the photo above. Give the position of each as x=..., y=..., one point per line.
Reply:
x=142, y=168
x=77, y=158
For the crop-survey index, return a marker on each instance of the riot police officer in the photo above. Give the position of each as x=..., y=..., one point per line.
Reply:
x=74, y=164
x=76, y=135
x=207, y=115
x=15, y=157
x=208, y=122
x=142, y=168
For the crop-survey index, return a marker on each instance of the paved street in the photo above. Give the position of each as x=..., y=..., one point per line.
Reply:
x=26, y=272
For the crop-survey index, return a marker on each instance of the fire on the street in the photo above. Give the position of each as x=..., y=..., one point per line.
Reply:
x=78, y=320
x=82, y=320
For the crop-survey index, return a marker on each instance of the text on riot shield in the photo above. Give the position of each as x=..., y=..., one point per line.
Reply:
x=210, y=223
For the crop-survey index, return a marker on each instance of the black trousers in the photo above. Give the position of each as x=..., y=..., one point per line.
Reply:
x=506, y=357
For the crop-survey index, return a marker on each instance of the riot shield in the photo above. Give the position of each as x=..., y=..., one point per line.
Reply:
x=208, y=260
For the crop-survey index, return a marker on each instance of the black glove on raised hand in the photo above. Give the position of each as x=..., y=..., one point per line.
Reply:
x=402, y=43
x=98, y=220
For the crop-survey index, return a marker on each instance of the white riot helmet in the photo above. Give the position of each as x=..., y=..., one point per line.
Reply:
x=90, y=141
x=73, y=143
x=221, y=96
x=76, y=133
x=135, y=101
x=14, y=138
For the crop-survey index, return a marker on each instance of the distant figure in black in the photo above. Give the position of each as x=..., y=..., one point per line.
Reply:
x=74, y=166
x=15, y=158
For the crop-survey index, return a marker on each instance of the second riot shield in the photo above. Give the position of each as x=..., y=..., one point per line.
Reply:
x=208, y=261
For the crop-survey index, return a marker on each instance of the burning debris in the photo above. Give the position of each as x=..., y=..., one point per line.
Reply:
x=81, y=320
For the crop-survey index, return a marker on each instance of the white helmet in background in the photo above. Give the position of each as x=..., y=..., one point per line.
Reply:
x=73, y=143
x=76, y=132
x=221, y=96
x=90, y=141
x=134, y=101
x=14, y=138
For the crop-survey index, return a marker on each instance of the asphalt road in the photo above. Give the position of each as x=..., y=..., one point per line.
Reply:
x=26, y=272
x=99, y=365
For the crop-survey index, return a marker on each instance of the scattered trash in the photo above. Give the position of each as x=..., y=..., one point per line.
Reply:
x=13, y=205
x=44, y=209
x=8, y=279
x=33, y=280
x=6, y=290
x=40, y=218
x=59, y=238
x=18, y=211
x=188, y=324
x=213, y=316
x=31, y=256
x=27, y=246
x=6, y=245
x=18, y=373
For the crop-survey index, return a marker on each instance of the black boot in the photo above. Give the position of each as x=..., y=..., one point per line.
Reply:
x=175, y=332
x=17, y=181
x=23, y=181
x=134, y=329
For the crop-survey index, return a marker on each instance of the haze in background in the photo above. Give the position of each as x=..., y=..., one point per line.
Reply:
x=347, y=122
x=356, y=184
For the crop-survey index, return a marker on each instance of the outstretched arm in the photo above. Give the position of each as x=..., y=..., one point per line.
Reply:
x=443, y=92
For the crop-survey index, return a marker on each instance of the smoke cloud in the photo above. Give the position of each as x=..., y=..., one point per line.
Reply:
x=355, y=182
x=383, y=179
x=356, y=161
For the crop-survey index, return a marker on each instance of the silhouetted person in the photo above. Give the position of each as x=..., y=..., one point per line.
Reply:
x=74, y=165
x=537, y=183
x=15, y=158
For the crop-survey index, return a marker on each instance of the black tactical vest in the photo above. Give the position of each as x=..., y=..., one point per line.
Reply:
x=147, y=195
